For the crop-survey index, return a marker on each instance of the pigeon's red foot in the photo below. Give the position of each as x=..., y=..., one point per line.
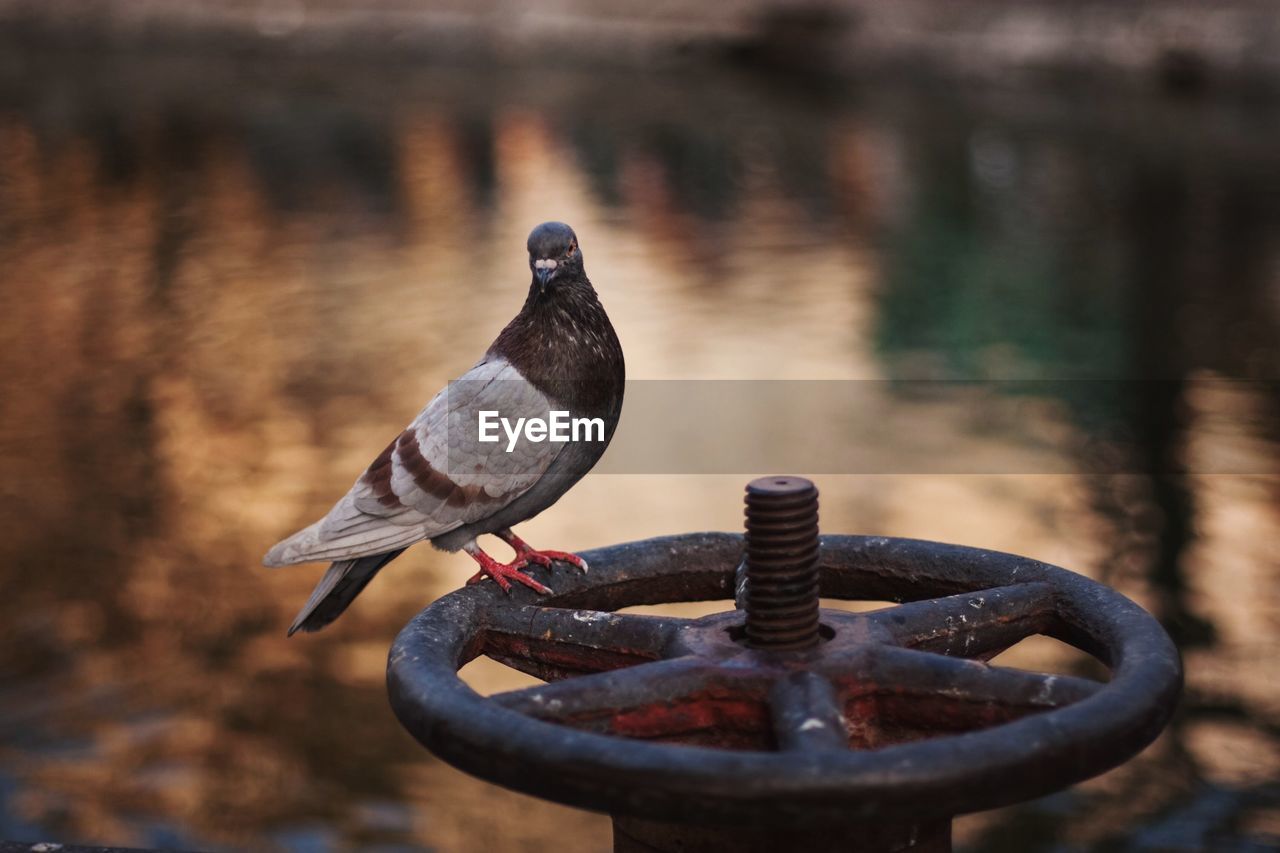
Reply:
x=525, y=551
x=504, y=573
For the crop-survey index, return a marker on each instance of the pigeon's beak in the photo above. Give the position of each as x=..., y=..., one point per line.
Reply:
x=544, y=270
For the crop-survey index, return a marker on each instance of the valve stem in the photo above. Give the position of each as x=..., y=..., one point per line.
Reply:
x=782, y=563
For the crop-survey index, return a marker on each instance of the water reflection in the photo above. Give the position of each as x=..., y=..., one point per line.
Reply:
x=225, y=285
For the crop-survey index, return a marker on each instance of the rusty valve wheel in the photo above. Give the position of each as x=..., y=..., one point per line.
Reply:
x=787, y=714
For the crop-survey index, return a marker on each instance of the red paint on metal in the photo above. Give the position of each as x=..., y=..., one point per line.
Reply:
x=698, y=713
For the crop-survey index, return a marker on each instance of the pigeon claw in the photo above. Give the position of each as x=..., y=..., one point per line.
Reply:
x=525, y=551
x=504, y=573
x=546, y=558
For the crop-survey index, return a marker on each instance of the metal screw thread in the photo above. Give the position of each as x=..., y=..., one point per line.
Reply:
x=782, y=563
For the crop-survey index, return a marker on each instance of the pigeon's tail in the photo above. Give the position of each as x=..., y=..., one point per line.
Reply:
x=338, y=588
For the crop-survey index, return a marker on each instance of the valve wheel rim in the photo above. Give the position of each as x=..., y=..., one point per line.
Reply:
x=1082, y=728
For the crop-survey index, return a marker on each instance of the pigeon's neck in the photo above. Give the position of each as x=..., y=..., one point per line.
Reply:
x=563, y=343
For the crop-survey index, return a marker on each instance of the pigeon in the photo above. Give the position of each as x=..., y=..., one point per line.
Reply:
x=444, y=480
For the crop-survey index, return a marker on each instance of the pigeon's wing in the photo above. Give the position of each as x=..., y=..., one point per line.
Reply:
x=437, y=475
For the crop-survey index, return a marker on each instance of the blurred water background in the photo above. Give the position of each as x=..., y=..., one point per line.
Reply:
x=232, y=269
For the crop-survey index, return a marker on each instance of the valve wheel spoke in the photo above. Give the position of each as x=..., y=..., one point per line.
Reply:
x=669, y=699
x=806, y=713
x=978, y=624
x=906, y=690
x=552, y=643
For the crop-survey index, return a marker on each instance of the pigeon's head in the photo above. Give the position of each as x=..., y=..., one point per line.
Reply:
x=554, y=253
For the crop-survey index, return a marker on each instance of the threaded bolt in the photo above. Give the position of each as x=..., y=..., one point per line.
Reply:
x=782, y=563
